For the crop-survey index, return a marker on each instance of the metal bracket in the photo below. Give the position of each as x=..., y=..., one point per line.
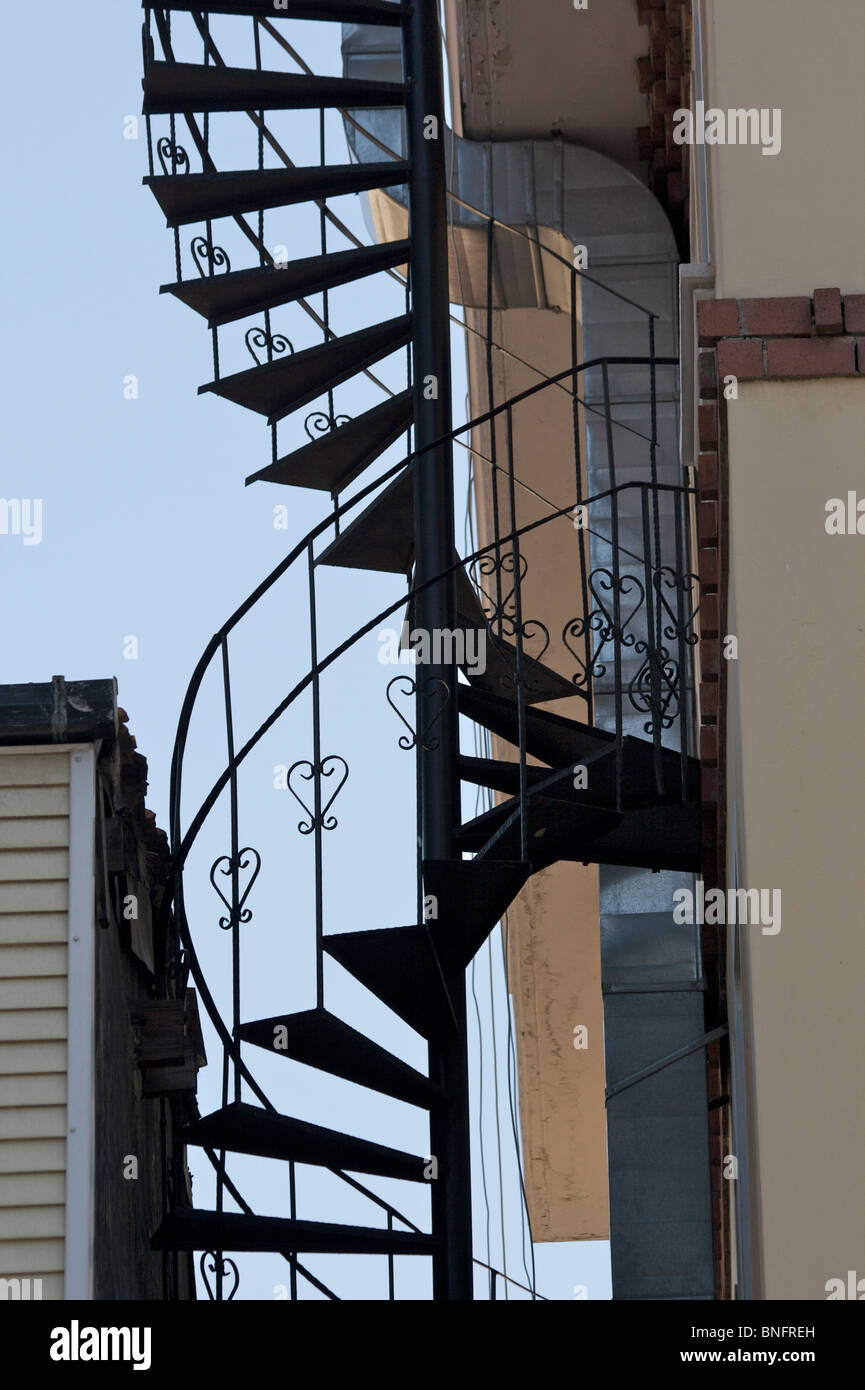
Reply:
x=714, y=1036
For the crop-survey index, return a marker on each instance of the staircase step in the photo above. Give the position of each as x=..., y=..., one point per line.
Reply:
x=186, y=198
x=654, y=837
x=556, y=830
x=332, y=462
x=381, y=537
x=399, y=966
x=499, y=775
x=247, y=1129
x=224, y=298
x=549, y=737
x=289, y=382
x=657, y=837
x=189, y=1229
x=471, y=896
x=321, y=1040
x=172, y=87
x=343, y=11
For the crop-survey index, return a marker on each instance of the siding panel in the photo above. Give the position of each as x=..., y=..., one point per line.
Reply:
x=34, y=769
x=41, y=992
x=18, y=803
x=33, y=1122
x=32, y=1155
x=42, y=832
x=33, y=1090
x=18, y=1257
x=33, y=865
x=32, y=960
x=32, y=1189
x=33, y=928
x=27, y=1058
x=26, y=1025
x=34, y=897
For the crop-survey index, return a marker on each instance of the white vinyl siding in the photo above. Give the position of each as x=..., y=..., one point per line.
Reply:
x=34, y=900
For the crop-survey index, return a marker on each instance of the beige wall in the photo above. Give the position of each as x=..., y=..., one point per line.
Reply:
x=797, y=771
x=34, y=842
x=788, y=224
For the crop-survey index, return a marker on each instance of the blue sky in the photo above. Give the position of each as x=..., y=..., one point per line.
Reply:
x=149, y=532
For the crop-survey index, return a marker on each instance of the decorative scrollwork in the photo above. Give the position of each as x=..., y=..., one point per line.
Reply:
x=655, y=688
x=314, y=775
x=214, y=256
x=681, y=621
x=236, y=913
x=319, y=422
x=529, y=631
x=272, y=342
x=500, y=610
x=601, y=620
x=426, y=690
x=225, y=1266
x=169, y=151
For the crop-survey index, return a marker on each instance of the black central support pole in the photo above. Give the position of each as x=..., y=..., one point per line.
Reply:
x=435, y=610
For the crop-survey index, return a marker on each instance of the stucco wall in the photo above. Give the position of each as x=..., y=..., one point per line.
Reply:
x=796, y=778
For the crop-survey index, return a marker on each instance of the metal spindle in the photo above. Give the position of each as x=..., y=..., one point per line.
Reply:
x=494, y=472
x=292, y=1207
x=317, y=773
x=617, y=604
x=518, y=624
x=582, y=531
x=235, y=869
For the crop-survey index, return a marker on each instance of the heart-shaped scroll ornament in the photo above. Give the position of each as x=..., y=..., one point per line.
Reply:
x=225, y=1266
x=499, y=573
x=435, y=685
x=530, y=631
x=326, y=768
x=225, y=865
x=680, y=622
x=605, y=589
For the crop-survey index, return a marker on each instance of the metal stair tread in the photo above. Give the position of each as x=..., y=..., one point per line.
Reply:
x=343, y=11
x=331, y=462
x=248, y=1129
x=191, y=1229
x=186, y=198
x=223, y=298
x=320, y=1039
x=173, y=87
x=277, y=388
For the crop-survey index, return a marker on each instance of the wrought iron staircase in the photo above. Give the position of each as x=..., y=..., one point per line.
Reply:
x=640, y=802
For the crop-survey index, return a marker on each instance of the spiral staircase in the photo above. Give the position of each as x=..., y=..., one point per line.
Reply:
x=638, y=804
